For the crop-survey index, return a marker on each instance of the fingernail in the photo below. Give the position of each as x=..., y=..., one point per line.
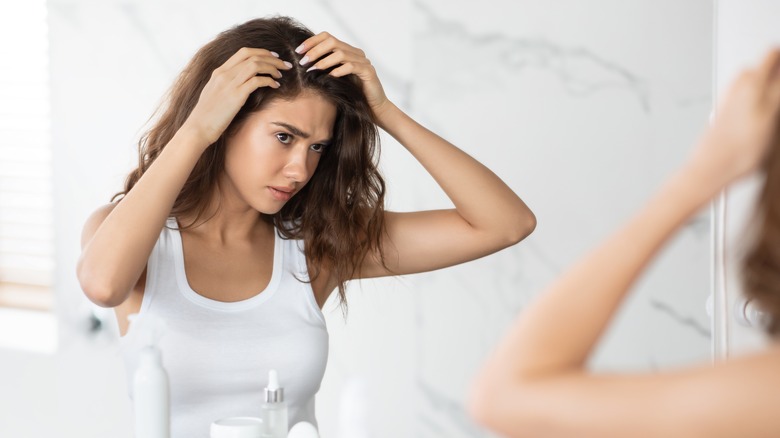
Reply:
x=288, y=64
x=299, y=49
x=304, y=60
x=277, y=84
x=313, y=67
x=275, y=54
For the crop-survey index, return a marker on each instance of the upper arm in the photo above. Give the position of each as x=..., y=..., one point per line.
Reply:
x=738, y=398
x=427, y=240
x=93, y=223
x=91, y=226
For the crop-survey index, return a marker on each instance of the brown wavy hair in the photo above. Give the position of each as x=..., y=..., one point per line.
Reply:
x=761, y=265
x=339, y=214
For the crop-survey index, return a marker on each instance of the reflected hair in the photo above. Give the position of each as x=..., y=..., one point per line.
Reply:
x=761, y=264
x=339, y=213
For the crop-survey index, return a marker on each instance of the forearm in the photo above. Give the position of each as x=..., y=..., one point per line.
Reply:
x=479, y=196
x=559, y=330
x=116, y=255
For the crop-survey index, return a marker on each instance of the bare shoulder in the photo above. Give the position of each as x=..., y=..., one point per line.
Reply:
x=93, y=222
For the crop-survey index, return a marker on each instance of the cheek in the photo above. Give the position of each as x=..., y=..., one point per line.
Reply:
x=313, y=163
x=256, y=154
x=246, y=161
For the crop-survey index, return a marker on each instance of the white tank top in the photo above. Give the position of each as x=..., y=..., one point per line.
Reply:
x=218, y=354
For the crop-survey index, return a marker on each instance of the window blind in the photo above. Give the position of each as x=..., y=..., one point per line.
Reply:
x=26, y=200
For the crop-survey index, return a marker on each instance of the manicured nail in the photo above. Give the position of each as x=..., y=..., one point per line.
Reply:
x=288, y=64
x=277, y=84
x=304, y=60
x=275, y=54
x=299, y=49
x=313, y=67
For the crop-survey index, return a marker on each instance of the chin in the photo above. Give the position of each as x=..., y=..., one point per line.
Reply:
x=269, y=208
x=268, y=211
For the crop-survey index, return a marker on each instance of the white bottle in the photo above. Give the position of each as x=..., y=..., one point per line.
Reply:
x=151, y=398
x=274, y=410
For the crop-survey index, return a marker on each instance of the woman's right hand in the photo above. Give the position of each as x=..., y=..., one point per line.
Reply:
x=745, y=125
x=229, y=87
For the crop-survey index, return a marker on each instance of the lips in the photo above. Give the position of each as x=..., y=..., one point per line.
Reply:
x=281, y=193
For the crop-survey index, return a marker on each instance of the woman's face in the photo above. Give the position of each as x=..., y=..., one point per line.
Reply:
x=277, y=149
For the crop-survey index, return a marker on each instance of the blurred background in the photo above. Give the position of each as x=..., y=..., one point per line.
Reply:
x=583, y=108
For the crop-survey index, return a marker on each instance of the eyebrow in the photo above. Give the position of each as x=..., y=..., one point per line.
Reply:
x=292, y=129
x=296, y=131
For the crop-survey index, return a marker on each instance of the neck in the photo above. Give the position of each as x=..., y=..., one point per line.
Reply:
x=226, y=220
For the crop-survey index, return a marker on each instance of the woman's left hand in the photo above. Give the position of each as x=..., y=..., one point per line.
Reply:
x=745, y=126
x=353, y=61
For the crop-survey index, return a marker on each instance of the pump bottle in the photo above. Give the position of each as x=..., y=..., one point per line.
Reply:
x=151, y=398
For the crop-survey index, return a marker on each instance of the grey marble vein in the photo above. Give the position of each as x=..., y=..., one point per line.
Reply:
x=684, y=321
x=541, y=255
x=567, y=63
x=699, y=225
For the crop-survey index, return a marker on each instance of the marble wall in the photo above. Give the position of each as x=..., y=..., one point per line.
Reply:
x=581, y=107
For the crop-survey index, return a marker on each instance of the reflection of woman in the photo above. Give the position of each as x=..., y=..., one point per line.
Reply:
x=259, y=175
x=536, y=384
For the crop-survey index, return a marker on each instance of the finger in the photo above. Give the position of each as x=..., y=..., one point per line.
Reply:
x=257, y=82
x=272, y=61
x=364, y=71
x=310, y=42
x=245, y=53
x=767, y=70
x=259, y=66
x=325, y=46
x=766, y=76
x=342, y=70
x=338, y=57
x=345, y=68
x=770, y=75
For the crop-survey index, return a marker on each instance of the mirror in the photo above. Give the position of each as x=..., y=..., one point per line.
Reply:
x=582, y=108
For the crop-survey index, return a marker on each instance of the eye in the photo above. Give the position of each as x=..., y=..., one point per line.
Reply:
x=319, y=148
x=284, y=137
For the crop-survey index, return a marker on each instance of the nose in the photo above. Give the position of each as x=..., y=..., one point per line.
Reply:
x=296, y=169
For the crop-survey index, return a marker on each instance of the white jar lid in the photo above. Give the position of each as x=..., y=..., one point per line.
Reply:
x=238, y=427
x=303, y=430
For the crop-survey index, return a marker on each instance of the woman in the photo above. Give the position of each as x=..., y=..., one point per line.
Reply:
x=256, y=195
x=536, y=384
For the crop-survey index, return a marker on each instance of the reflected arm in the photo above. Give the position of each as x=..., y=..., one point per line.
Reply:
x=535, y=383
x=543, y=357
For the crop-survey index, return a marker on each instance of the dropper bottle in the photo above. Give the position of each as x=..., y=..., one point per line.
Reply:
x=274, y=410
